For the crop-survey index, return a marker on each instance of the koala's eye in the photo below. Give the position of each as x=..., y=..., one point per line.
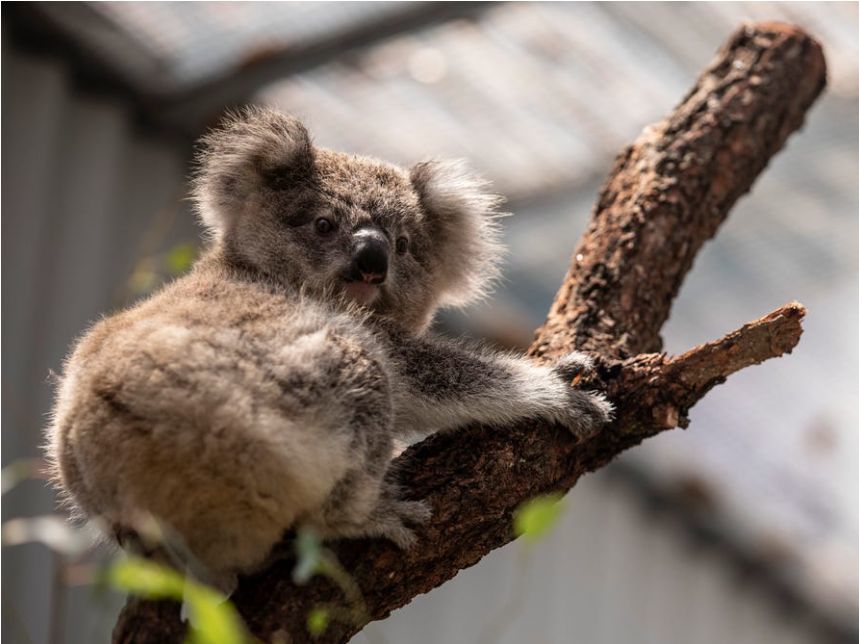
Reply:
x=402, y=245
x=323, y=225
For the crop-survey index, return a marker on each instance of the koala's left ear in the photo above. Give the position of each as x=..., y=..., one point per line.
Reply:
x=253, y=148
x=462, y=215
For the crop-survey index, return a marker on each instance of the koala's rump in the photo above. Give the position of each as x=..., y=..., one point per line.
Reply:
x=224, y=436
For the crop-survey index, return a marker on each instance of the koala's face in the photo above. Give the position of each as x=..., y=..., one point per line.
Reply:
x=400, y=243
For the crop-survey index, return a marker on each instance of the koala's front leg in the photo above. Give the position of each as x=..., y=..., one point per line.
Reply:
x=446, y=384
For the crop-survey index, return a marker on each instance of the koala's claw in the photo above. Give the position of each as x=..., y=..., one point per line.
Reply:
x=392, y=517
x=574, y=365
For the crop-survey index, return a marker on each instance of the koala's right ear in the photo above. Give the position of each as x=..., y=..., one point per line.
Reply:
x=462, y=216
x=253, y=149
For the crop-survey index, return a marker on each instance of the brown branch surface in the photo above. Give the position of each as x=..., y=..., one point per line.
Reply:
x=670, y=191
x=666, y=195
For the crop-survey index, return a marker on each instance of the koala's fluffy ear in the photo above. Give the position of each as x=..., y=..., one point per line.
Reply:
x=462, y=215
x=252, y=149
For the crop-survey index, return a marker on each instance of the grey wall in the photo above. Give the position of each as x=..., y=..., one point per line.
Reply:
x=80, y=188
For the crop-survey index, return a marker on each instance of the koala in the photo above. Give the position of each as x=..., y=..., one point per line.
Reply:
x=268, y=387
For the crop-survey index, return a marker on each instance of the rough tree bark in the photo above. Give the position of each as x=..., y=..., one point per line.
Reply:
x=666, y=195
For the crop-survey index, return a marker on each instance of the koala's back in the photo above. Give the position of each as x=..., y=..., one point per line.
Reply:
x=221, y=407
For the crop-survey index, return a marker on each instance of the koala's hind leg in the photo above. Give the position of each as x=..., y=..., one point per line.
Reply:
x=394, y=518
x=362, y=505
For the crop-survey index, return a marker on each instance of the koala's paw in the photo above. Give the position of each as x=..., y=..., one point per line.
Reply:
x=573, y=366
x=392, y=519
x=585, y=412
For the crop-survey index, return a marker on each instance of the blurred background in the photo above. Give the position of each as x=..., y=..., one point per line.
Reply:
x=745, y=528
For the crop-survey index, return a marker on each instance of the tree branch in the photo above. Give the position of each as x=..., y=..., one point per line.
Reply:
x=666, y=195
x=670, y=191
x=669, y=387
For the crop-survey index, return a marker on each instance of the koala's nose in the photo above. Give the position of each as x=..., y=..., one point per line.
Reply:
x=370, y=255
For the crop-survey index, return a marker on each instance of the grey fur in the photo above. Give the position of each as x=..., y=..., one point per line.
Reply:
x=261, y=390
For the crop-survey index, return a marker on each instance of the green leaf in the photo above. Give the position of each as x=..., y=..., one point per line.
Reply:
x=535, y=518
x=317, y=621
x=214, y=619
x=146, y=579
x=179, y=258
x=308, y=551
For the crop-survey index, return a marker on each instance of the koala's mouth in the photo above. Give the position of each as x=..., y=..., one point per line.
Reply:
x=362, y=292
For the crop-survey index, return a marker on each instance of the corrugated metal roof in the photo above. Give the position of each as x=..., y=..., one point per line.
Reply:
x=538, y=96
x=194, y=41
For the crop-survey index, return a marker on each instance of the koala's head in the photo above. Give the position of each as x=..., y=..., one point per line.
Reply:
x=399, y=242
